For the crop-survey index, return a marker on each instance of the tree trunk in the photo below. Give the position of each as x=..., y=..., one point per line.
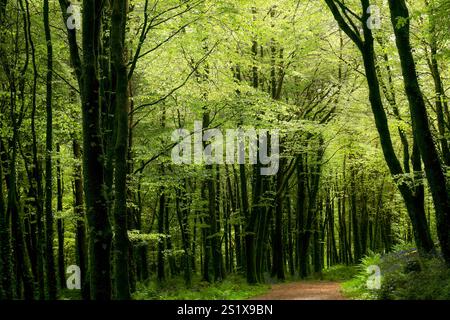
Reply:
x=121, y=241
x=60, y=222
x=354, y=216
x=6, y=272
x=172, y=263
x=36, y=185
x=290, y=244
x=161, y=241
x=278, y=249
x=421, y=127
x=94, y=187
x=78, y=204
x=49, y=254
x=183, y=220
x=14, y=212
x=300, y=213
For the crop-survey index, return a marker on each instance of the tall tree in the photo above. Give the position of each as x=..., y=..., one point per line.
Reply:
x=99, y=227
x=49, y=221
x=121, y=242
x=420, y=123
x=36, y=186
x=365, y=44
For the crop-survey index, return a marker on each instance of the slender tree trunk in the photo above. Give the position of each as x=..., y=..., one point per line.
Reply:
x=172, y=263
x=6, y=272
x=278, y=249
x=290, y=244
x=317, y=250
x=354, y=217
x=226, y=210
x=262, y=231
x=251, y=218
x=206, y=241
x=60, y=222
x=183, y=220
x=81, y=246
x=121, y=241
x=161, y=242
x=238, y=227
x=36, y=172
x=233, y=200
x=49, y=254
x=300, y=213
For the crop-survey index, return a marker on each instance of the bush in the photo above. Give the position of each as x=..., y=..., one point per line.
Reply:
x=404, y=276
x=232, y=288
x=339, y=272
x=432, y=282
x=357, y=288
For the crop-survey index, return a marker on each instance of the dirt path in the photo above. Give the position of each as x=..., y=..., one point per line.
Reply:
x=306, y=290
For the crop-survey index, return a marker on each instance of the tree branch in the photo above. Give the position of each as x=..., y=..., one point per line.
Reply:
x=356, y=38
x=194, y=69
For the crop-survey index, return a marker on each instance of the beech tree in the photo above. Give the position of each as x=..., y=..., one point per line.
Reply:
x=146, y=144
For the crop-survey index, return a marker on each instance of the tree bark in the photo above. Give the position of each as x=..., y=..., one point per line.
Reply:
x=78, y=204
x=49, y=220
x=60, y=222
x=94, y=188
x=121, y=241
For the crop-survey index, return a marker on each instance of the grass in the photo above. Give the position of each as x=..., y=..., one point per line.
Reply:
x=66, y=294
x=339, y=273
x=232, y=288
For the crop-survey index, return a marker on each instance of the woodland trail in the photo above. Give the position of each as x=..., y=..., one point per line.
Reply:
x=305, y=290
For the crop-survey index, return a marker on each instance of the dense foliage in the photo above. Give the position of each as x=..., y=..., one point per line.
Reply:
x=349, y=98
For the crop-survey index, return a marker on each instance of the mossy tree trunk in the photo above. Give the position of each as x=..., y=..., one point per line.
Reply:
x=93, y=156
x=121, y=241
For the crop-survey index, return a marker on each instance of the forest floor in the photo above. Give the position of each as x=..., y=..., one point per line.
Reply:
x=305, y=290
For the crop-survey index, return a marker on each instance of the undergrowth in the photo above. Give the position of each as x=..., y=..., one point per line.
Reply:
x=339, y=272
x=404, y=276
x=232, y=288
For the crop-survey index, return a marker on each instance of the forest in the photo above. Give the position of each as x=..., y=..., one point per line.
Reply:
x=224, y=149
